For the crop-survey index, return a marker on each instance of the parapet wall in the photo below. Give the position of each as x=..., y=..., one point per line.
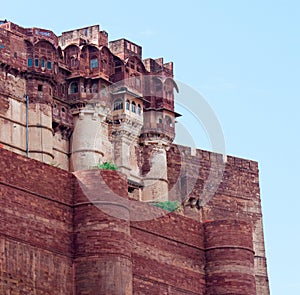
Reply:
x=102, y=242
x=168, y=256
x=35, y=227
x=237, y=196
x=55, y=238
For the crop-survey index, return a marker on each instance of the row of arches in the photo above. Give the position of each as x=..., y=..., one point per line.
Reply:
x=73, y=55
x=37, y=62
x=131, y=106
x=164, y=88
x=167, y=120
x=75, y=87
x=42, y=55
x=89, y=56
x=102, y=59
x=161, y=88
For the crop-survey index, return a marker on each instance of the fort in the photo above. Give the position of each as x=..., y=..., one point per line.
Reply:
x=69, y=104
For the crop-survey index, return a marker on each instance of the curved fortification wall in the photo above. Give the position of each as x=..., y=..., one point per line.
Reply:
x=102, y=243
x=36, y=227
x=229, y=258
x=73, y=236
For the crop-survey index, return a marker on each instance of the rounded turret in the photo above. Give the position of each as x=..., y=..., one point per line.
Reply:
x=102, y=244
x=229, y=258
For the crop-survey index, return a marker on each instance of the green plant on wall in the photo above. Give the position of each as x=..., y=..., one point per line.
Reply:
x=107, y=166
x=167, y=205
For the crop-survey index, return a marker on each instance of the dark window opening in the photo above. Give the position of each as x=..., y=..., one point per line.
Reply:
x=131, y=189
x=158, y=86
x=118, y=104
x=29, y=62
x=139, y=110
x=94, y=63
x=169, y=121
x=94, y=88
x=40, y=87
x=49, y=65
x=127, y=105
x=42, y=63
x=36, y=62
x=133, y=107
x=74, y=87
x=74, y=62
x=54, y=125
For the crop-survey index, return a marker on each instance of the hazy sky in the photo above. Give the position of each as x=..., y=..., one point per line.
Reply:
x=244, y=58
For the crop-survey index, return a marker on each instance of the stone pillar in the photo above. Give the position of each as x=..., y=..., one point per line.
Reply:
x=229, y=258
x=121, y=143
x=86, y=140
x=40, y=134
x=154, y=172
x=125, y=138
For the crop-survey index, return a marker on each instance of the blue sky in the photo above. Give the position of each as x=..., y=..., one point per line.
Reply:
x=244, y=58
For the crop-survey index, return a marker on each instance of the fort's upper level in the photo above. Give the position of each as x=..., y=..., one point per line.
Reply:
x=63, y=77
x=82, y=62
x=32, y=34
x=83, y=36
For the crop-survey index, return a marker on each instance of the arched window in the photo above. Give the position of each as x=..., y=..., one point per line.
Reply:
x=139, y=110
x=127, y=105
x=74, y=62
x=73, y=88
x=94, y=63
x=29, y=62
x=169, y=121
x=118, y=104
x=158, y=86
x=168, y=88
x=42, y=62
x=94, y=88
x=133, y=107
